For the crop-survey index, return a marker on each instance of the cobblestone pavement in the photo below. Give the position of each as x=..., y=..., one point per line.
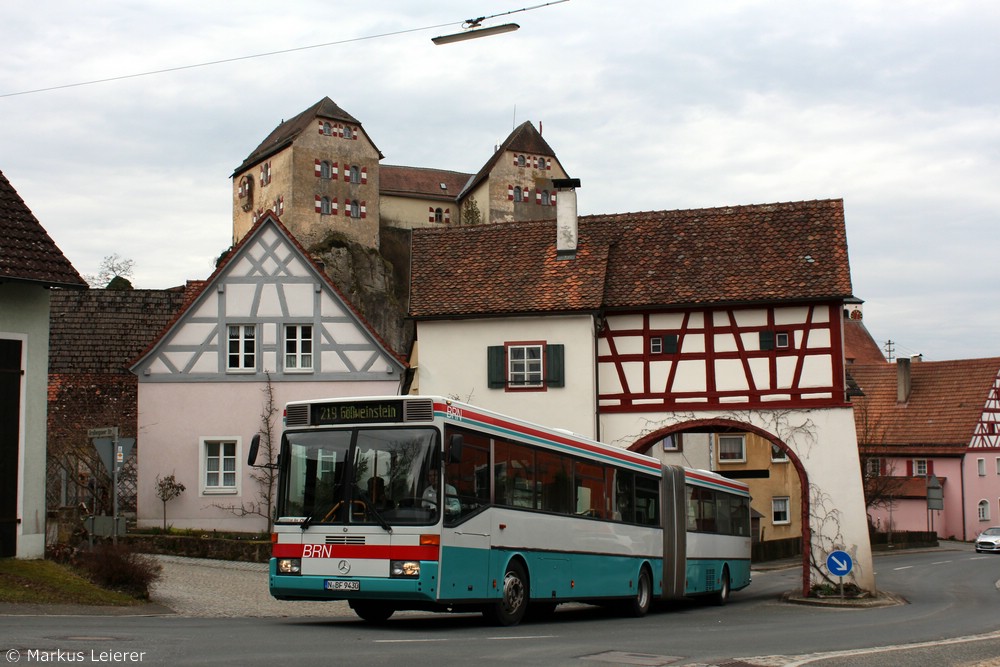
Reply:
x=203, y=587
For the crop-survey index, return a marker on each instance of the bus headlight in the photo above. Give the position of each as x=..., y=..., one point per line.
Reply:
x=289, y=566
x=404, y=568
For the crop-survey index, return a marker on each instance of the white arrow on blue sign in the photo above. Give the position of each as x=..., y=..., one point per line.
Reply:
x=839, y=563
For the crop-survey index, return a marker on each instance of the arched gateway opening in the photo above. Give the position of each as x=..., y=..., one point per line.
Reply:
x=719, y=437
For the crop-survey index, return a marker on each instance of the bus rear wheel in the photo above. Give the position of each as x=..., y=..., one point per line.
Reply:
x=513, y=602
x=638, y=606
x=373, y=612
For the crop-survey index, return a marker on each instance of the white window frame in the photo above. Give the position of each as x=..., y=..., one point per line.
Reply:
x=243, y=341
x=920, y=467
x=776, y=508
x=742, y=445
x=524, y=370
x=981, y=465
x=656, y=345
x=214, y=461
x=984, y=510
x=301, y=357
x=873, y=467
x=782, y=340
x=671, y=443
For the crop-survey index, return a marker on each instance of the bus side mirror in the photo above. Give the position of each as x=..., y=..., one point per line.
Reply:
x=455, y=448
x=254, y=446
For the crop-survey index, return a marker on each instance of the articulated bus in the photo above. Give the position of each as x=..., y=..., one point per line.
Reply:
x=425, y=503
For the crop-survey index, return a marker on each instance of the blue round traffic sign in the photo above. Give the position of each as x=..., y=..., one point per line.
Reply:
x=839, y=563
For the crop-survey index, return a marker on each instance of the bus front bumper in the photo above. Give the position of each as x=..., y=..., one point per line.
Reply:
x=329, y=587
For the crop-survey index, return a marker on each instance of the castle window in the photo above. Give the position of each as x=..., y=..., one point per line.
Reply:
x=325, y=169
x=355, y=209
x=546, y=199
x=265, y=173
x=520, y=161
x=517, y=194
x=327, y=129
x=438, y=215
x=325, y=207
x=355, y=174
x=348, y=133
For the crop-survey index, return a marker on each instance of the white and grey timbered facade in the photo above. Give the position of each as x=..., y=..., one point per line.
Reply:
x=266, y=328
x=269, y=312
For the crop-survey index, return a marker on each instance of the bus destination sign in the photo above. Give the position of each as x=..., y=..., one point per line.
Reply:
x=359, y=412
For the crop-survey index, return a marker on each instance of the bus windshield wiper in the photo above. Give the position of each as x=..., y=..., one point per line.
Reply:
x=371, y=509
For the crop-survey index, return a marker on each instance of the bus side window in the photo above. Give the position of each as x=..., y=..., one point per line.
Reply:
x=647, y=500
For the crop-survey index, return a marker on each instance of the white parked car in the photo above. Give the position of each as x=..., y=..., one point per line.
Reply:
x=988, y=540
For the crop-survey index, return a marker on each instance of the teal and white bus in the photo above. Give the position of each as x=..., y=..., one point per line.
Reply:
x=425, y=503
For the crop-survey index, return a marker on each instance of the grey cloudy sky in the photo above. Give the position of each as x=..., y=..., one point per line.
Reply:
x=893, y=106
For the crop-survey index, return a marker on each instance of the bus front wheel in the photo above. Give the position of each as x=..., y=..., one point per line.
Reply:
x=373, y=612
x=722, y=595
x=513, y=602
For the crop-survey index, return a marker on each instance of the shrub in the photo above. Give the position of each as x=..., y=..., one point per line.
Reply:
x=118, y=568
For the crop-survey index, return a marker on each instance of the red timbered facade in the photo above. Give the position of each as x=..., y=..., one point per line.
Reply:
x=787, y=356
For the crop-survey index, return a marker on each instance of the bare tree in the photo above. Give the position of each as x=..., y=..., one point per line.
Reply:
x=115, y=272
x=880, y=484
x=265, y=472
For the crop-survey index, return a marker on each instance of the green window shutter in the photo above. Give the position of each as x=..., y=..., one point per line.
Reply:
x=555, y=362
x=767, y=340
x=496, y=367
x=670, y=344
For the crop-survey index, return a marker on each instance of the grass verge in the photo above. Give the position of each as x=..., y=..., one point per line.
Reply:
x=46, y=582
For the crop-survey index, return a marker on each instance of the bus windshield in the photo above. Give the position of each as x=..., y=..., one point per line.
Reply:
x=379, y=476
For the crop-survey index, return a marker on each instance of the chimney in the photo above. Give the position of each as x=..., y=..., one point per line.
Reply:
x=566, y=227
x=903, y=380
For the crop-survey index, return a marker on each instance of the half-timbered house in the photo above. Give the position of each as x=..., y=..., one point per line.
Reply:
x=634, y=328
x=922, y=423
x=267, y=327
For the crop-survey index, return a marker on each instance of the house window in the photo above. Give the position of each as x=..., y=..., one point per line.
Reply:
x=778, y=455
x=219, y=466
x=298, y=347
x=982, y=467
x=873, y=467
x=663, y=344
x=242, y=352
x=355, y=209
x=438, y=215
x=770, y=340
x=524, y=365
x=325, y=169
x=534, y=365
x=325, y=207
x=779, y=511
x=517, y=193
x=355, y=174
x=732, y=449
x=984, y=510
x=920, y=467
x=672, y=443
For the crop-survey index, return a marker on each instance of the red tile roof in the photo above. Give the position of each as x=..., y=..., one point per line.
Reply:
x=946, y=402
x=421, y=182
x=859, y=346
x=27, y=252
x=777, y=252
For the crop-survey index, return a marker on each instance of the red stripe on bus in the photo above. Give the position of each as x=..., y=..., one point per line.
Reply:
x=373, y=551
x=620, y=454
